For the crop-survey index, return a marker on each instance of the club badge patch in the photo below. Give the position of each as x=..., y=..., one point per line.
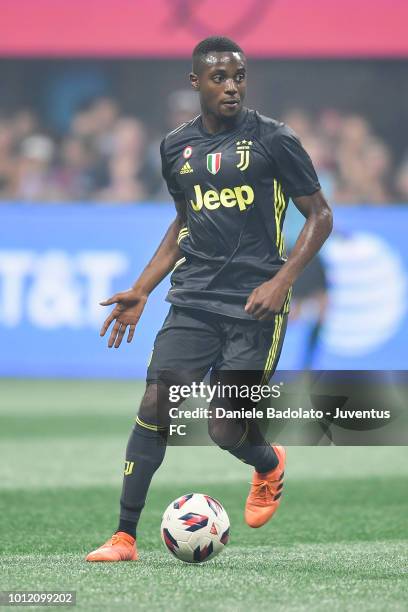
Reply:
x=243, y=148
x=213, y=162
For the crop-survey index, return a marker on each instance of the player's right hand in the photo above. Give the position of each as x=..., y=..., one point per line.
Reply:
x=127, y=312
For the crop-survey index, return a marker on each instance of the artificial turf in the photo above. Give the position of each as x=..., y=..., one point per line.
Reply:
x=339, y=540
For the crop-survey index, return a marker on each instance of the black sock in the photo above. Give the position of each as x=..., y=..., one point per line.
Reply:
x=144, y=454
x=255, y=450
x=128, y=527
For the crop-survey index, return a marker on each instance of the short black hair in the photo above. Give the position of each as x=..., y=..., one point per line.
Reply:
x=213, y=43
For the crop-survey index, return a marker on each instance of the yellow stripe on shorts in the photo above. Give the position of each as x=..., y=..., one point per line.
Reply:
x=286, y=305
x=274, y=347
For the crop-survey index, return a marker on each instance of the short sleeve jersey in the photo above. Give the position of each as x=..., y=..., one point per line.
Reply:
x=236, y=185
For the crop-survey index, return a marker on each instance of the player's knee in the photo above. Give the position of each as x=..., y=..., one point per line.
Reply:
x=222, y=432
x=155, y=405
x=151, y=409
x=148, y=405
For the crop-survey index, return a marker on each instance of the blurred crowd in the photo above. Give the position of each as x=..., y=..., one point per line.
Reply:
x=353, y=163
x=107, y=156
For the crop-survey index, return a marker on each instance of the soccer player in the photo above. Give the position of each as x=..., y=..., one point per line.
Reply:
x=231, y=172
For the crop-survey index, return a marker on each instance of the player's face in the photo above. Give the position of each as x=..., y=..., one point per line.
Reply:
x=221, y=83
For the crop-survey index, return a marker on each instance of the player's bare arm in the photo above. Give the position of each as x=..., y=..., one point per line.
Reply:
x=130, y=303
x=268, y=298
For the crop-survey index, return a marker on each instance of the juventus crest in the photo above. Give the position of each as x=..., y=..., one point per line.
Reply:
x=243, y=148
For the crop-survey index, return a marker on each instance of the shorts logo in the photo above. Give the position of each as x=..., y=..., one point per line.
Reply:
x=129, y=465
x=187, y=153
x=213, y=162
x=243, y=147
x=211, y=199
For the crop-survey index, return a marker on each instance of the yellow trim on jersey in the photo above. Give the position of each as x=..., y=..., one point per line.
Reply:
x=280, y=206
x=276, y=204
x=148, y=425
x=182, y=237
x=183, y=229
x=182, y=234
x=281, y=211
x=178, y=263
x=273, y=350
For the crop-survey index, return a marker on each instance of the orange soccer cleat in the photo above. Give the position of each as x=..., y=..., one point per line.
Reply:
x=120, y=547
x=265, y=493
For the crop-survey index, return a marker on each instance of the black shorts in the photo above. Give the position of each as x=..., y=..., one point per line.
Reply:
x=192, y=342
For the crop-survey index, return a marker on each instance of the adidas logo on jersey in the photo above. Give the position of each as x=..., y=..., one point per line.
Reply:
x=186, y=168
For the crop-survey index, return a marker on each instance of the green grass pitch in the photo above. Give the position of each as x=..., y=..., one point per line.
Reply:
x=338, y=542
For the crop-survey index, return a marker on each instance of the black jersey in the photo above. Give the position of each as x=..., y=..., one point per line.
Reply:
x=236, y=185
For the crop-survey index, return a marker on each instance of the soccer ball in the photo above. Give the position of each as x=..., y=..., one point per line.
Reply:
x=195, y=528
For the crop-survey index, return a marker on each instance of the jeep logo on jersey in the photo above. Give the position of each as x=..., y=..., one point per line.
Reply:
x=242, y=196
x=213, y=162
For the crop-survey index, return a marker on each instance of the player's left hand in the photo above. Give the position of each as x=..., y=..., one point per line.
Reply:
x=267, y=299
